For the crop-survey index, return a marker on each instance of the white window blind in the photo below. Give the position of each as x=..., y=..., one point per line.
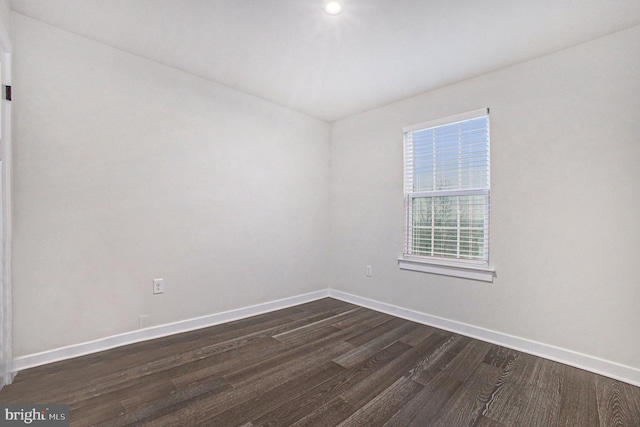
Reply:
x=447, y=188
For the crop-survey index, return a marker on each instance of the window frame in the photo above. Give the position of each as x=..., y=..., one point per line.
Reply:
x=449, y=266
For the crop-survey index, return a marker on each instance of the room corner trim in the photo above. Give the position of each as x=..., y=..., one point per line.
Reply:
x=68, y=352
x=593, y=364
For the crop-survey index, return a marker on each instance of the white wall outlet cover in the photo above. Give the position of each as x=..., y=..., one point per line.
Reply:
x=158, y=286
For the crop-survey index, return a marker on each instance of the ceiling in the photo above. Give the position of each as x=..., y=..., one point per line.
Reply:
x=377, y=51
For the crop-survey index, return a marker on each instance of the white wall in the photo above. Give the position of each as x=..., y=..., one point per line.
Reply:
x=127, y=170
x=565, y=202
x=5, y=15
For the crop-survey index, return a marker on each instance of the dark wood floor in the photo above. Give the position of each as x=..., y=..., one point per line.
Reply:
x=324, y=363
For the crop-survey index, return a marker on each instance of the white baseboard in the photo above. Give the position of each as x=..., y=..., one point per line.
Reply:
x=68, y=352
x=593, y=364
x=589, y=363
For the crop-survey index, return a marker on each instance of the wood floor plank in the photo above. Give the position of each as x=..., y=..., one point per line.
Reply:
x=616, y=403
x=138, y=396
x=539, y=372
x=578, y=400
x=94, y=414
x=223, y=363
x=377, y=331
x=279, y=368
x=262, y=404
x=300, y=333
x=291, y=359
x=418, y=335
x=483, y=421
x=444, y=374
x=255, y=356
x=426, y=405
x=467, y=358
x=500, y=356
x=94, y=366
x=431, y=366
x=166, y=408
x=326, y=305
x=372, y=346
x=468, y=402
x=251, y=385
x=139, y=389
x=382, y=407
x=361, y=393
x=168, y=372
x=514, y=404
x=368, y=318
x=107, y=381
x=249, y=356
x=515, y=399
x=330, y=414
x=316, y=397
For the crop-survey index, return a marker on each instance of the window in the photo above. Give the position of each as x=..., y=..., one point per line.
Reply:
x=447, y=191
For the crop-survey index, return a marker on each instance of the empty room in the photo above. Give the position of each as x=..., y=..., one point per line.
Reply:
x=322, y=213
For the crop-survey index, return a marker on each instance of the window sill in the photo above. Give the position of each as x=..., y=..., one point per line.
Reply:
x=445, y=268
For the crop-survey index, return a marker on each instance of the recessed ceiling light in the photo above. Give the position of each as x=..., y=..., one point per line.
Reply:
x=333, y=7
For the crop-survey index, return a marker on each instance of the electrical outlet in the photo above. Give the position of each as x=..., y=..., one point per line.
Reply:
x=368, y=271
x=158, y=286
x=143, y=321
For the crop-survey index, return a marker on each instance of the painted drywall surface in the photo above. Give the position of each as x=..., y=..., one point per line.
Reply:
x=565, y=202
x=126, y=171
x=5, y=15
